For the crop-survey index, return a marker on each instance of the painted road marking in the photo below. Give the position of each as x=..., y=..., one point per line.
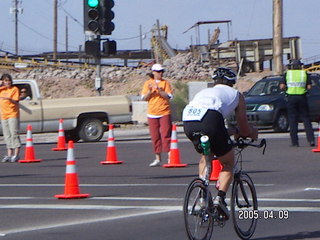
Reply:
x=79, y=222
x=114, y=185
x=157, y=199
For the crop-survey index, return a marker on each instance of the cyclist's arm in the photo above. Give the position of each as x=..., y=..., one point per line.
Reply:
x=245, y=129
x=233, y=131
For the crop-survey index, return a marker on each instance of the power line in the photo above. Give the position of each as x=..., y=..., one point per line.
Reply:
x=130, y=38
x=40, y=34
x=73, y=18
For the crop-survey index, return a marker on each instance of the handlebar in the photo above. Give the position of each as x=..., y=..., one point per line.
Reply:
x=243, y=143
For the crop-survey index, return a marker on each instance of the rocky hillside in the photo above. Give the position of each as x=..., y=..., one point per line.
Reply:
x=59, y=83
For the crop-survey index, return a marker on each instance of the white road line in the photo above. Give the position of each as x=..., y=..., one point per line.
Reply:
x=114, y=185
x=312, y=189
x=153, y=209
x=144, y=211
x=71, y=223
x=137, y=198
x=85, y=207
x=157, y=209
x=287, y=200
x=162, y=199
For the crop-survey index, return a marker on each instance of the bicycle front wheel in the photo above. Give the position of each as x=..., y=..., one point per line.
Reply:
x=196, y=210
x=244, y=206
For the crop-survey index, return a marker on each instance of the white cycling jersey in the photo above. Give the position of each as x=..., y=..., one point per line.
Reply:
x=221, y=98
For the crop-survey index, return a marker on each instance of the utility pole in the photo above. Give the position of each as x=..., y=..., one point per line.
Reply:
x=67, y=37
x=16, y=10
x=277, y=37
x=140, y=31
x=16, y=25
x=55, y=29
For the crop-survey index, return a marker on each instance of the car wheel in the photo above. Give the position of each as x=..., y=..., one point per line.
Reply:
x=282, y=123
x=91, y=130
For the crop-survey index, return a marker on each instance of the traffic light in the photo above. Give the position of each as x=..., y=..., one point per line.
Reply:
x=107, y=26
x=110, y=47
x=92, y=48
x=91, y=15
x=98, y=16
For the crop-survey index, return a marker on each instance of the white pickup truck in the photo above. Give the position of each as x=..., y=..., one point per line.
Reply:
x=84, y=118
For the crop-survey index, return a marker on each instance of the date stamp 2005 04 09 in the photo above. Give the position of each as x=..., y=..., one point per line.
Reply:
x=264, y=214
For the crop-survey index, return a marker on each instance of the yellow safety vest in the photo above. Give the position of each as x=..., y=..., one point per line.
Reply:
x=296, y=82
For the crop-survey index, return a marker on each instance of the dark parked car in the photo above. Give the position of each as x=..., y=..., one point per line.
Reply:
x=267, y=105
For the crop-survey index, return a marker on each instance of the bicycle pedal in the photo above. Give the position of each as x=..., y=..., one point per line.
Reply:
x=222, y=223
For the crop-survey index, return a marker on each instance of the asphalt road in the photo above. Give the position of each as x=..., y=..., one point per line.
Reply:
x=133, y=201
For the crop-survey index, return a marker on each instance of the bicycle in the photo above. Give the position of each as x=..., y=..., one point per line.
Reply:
x=201, y=215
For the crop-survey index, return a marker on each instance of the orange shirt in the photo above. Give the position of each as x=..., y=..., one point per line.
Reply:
x=8, y=108
x=157, y=105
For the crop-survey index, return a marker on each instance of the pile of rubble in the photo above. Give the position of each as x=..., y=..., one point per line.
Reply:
x=116, y=80
x=182, y=66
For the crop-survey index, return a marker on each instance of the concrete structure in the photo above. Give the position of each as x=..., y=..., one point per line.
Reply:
x=195, y=87
x=252, y=54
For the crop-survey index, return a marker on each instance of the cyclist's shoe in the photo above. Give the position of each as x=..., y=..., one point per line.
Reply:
x=155, y=163
x=220, y=203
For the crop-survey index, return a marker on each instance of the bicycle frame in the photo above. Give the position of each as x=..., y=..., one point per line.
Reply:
x=199, y=212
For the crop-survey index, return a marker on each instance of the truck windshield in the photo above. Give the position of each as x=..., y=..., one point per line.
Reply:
x=262, y=88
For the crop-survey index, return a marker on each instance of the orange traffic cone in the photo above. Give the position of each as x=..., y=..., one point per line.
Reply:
x=318, y=148
x=111, y=155
x=71, y=189
x=174, y=160
x=29, y=156
x=215, y=169
x=61, y=145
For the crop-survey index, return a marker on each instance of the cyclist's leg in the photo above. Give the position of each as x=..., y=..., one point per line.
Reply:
x=202, y=167
x=226, y=174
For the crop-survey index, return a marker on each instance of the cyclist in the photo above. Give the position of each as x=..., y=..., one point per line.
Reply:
x=205, y=115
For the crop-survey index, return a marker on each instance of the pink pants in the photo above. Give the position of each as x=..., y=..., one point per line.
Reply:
x=160, y=131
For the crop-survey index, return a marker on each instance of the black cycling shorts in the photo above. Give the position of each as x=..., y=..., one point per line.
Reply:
x=212, y=125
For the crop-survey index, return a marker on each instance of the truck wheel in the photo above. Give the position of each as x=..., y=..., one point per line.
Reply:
x=282, y=123
x=72, y=135
x=91, y=130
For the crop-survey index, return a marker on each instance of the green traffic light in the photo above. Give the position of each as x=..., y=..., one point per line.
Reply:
x=93, y=3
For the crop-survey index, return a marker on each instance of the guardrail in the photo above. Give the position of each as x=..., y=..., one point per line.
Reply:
x=26, y=63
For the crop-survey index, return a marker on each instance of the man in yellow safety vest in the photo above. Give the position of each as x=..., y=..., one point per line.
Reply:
x=297, y=82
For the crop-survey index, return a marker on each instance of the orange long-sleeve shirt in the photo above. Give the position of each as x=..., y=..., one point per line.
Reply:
x=8, y=108
x=157, y=105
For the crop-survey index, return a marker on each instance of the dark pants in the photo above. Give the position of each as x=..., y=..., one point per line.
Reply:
x=298, y=106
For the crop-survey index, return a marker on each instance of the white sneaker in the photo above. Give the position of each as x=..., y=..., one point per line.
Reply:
x=6, y=159
x=14, y=158
x=155, y=163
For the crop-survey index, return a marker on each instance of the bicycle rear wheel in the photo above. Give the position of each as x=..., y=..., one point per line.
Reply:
x=244, y=206
x=196, y=210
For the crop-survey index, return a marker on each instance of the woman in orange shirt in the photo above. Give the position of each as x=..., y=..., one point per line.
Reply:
x=157, y=91
x=9, y=105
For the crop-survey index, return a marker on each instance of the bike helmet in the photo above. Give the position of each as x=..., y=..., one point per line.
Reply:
x=225, y=75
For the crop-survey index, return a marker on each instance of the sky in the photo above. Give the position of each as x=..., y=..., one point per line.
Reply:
x=251, y=19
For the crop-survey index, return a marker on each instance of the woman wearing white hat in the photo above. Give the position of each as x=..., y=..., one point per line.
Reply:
x=157, y=91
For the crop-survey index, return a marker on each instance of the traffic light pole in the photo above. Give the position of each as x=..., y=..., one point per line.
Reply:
x=97, y=18
x=98, y=80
